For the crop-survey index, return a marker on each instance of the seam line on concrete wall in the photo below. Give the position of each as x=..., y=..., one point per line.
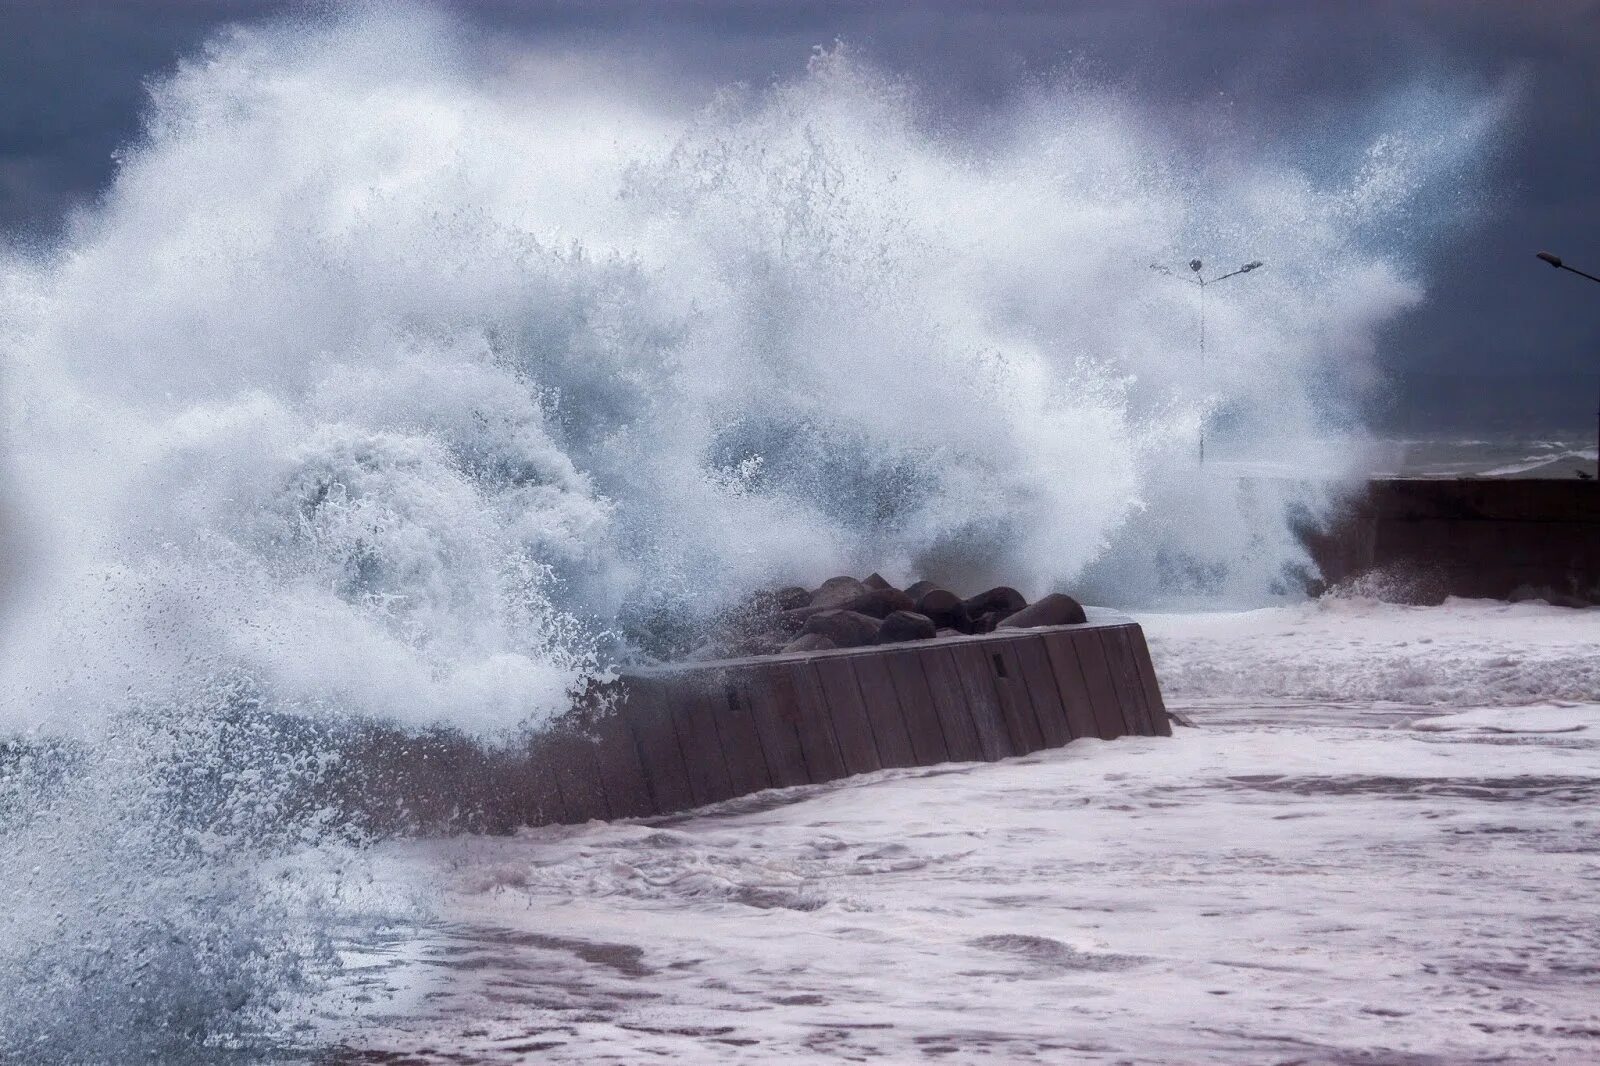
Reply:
x=872, y=730
x=749, y=711
x=827, y=716
x=714, y=707
x=1033, y=710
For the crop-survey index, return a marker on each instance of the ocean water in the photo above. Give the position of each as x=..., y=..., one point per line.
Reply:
x=1503, y=455
x=1377, y=845
x=1511, y=455
x=395, y=382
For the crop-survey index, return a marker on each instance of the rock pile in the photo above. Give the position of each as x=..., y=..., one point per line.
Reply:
x=844, y=612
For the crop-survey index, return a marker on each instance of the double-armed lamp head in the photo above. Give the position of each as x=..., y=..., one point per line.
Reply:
x=1196, y=266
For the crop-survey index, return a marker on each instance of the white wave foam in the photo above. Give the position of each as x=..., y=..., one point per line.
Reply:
x=399, y=389
x=377, y=385
x=1468, y=653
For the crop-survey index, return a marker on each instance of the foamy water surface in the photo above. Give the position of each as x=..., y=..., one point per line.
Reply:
x=399, y=379
x=1399, y=866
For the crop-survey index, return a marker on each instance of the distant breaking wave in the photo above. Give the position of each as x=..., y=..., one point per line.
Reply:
x=376, y=386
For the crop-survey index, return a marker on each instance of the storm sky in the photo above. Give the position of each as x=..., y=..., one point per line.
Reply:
x=1503, y=341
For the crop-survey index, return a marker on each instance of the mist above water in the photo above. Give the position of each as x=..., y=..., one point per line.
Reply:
x=408, y=390
x=380, y=386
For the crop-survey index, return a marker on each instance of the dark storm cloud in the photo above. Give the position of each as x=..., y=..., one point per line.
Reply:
x=1240, y=76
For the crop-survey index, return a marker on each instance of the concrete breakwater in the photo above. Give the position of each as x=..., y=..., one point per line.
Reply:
x=679, y=737
x=1476, y=537
x=670, y=738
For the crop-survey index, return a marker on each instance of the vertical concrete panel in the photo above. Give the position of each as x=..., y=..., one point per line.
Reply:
x=977, y=681
x=1037, y=677
x=883, y=710
x=695, y=735
x=622, y=773
x=1097, y=677
x=1152, y=688
x=848, y=713
x=577, y=774
x=543, y=796
x=776, y=713
x=747, y=763
x=824, y=758
x=693, y=708
x=916, y=707
x=1016, y=708
x=1125, y=677
x=1071, y=684
x=649, y=717
x=950, y=701
x=505, y=787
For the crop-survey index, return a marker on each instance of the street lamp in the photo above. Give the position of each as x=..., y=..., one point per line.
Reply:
x=1555, y=261
x=1195, y=267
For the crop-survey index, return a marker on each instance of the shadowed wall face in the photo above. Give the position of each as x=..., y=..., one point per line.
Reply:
x=682, y=737
x=1423, y=540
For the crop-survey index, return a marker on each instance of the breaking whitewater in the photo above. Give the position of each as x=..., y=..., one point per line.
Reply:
x=397, y=379
x=1378, y=845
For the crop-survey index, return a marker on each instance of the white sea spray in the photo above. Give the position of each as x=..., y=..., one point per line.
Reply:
x=378, y=387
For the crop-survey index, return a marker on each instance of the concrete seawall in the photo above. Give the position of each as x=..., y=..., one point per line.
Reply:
x=1477, y=537
x=673, y=738
x=680, y=737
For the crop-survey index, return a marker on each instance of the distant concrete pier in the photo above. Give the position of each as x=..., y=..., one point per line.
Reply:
x=1487, y=538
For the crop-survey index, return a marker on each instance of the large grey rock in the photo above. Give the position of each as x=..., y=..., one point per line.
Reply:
x=761, y=644
x=985, y=622
x=809, y=642
x=875, y=580
x=791, y=596
x=836, y=592
x=1000, y=601
x=881, y=603
x=752, y=616
x=793, y=621
x=945, y=609
x=1056, y=609
x=847, y=629
x=906, y=625
x=918, y=588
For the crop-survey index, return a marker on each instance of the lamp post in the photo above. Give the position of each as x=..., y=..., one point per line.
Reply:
x=1198, y=278
x=1555, y=261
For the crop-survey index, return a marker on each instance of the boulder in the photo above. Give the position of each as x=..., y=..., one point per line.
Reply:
x=948, y=633
x=1001, y=600
x=752, y=616
x=792, y=622
x=875, y=580
x=881, y=603
x=761, y=644
x=791, y=596
x=917, y=589
x=985, y=622
x=1056, y=609
x=836, y=592
x=847, y=629
x=942, y=606
x=809, y=642
x=906, y=625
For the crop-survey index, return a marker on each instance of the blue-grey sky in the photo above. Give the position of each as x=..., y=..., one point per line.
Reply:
x=1502, y=339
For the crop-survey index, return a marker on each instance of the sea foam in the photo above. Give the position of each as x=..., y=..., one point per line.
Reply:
x=383, y=384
